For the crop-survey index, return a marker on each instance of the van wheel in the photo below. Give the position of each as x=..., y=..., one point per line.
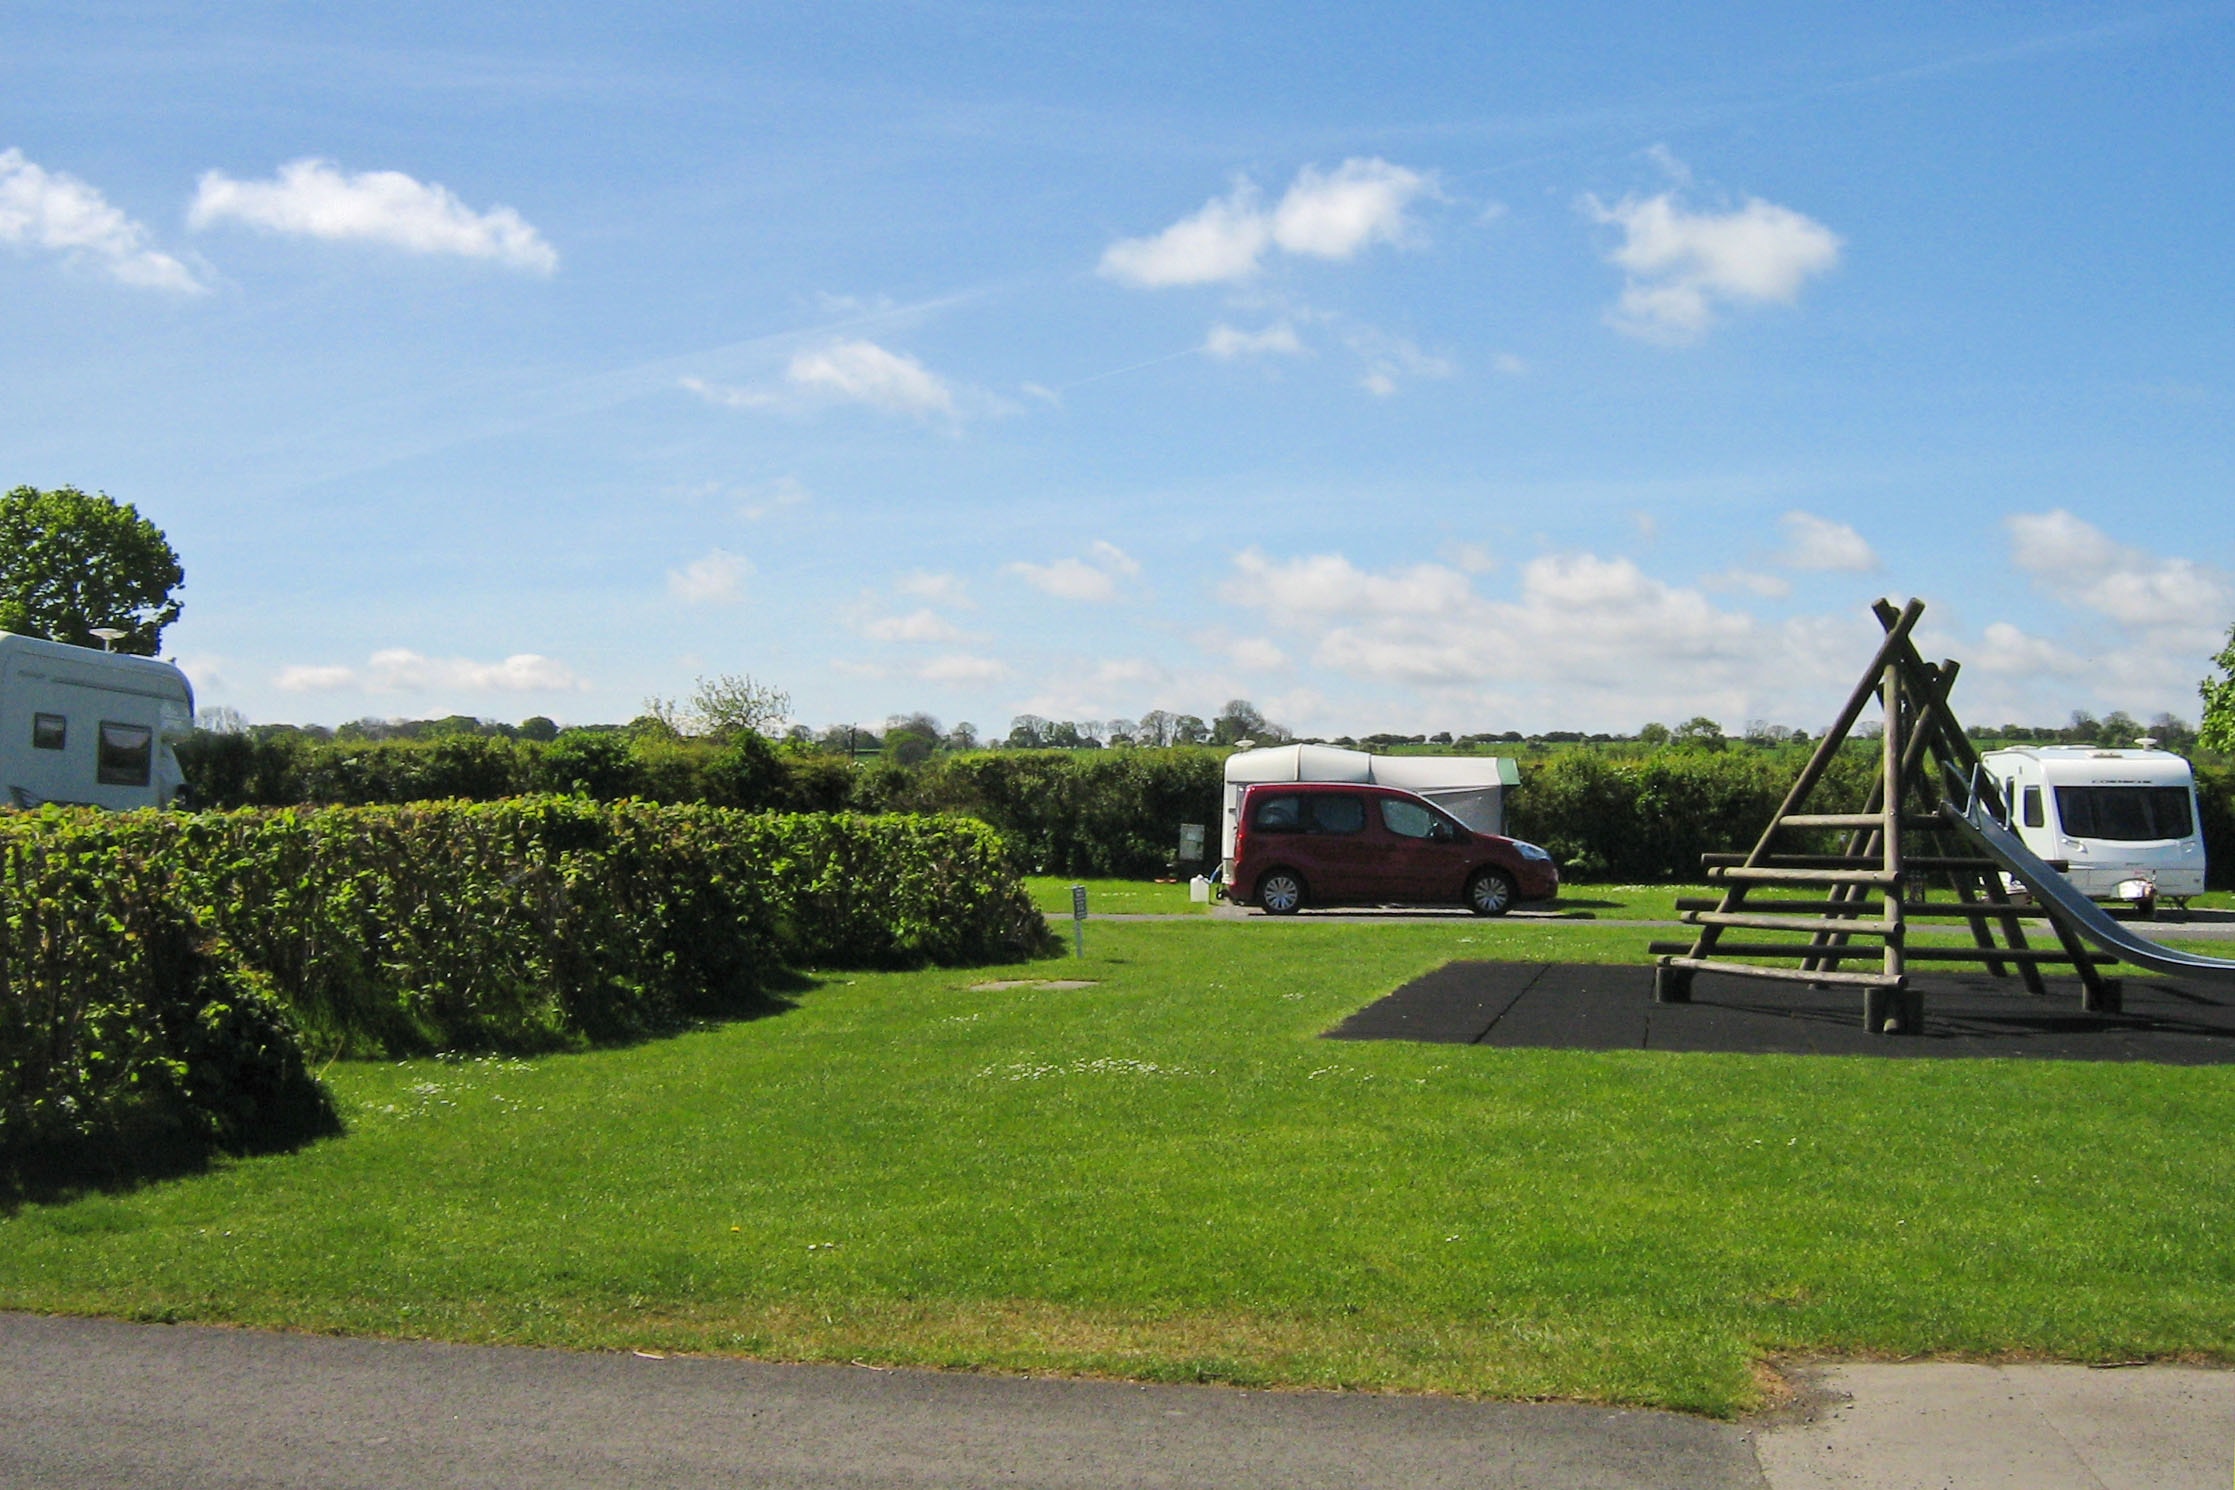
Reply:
x=1490, y=892
x=1281, y=893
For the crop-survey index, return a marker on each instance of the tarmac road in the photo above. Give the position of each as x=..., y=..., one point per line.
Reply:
x=86, y=1403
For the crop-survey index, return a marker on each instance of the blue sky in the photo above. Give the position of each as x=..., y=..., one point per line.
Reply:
x=1426, y=367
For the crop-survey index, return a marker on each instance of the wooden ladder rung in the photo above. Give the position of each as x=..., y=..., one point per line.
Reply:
x=1916, y=953
x=1782, y=974
x=1976, y=910
x=1764, y=949
x=1760, y=922
x=1910, y=821
x=1913, y=862
x=1772, y=876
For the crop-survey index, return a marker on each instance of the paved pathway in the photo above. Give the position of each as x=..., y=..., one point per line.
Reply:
x=87, y=1403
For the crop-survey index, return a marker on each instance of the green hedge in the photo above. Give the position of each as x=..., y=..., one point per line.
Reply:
x=120, y=1016
x=534, y=923
x=1624, y=817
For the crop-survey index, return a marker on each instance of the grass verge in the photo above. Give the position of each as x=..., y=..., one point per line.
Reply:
x=1167, y=1176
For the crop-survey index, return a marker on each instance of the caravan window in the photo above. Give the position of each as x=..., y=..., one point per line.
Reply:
x=49, y=731
x=127, y=754
x=2125, y=814
x=2033, y=817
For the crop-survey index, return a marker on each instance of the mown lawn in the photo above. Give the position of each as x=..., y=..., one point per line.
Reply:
x=1166, y=1175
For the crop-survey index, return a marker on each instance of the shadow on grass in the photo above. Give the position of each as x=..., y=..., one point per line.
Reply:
x=155, y=1142
x=1582, y=908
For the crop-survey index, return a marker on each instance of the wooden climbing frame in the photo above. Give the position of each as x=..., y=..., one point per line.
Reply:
x=1851, y=928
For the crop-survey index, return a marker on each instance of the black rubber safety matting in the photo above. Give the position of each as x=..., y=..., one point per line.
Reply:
x=1601, y=1006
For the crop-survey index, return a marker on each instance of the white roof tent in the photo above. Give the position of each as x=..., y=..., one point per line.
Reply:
x=1470, y=787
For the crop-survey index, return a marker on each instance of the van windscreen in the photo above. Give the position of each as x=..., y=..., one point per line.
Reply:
x=126, y=754
x=2125, y=814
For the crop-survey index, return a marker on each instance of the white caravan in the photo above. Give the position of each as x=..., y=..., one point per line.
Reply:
x=2124, y=820
x=1469, y=787
x=88, y=728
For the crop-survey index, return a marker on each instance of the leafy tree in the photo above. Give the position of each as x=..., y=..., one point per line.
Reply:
x=70, y=562
x=590, y=763
x=1701, y=731
x=910, y=738
x=2217, y=729
x=539, y=727
x=1240, y=720
x=733, y=703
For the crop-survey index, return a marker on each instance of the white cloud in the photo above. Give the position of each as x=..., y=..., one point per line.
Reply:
x=961, y=667
x=1818, y=543
x=1068, y=579
x=1223, y=241
x=1079, y=579
x=854, y=371
x=1113, y=558
x=401, y=670
x=1390, y=358
x=2007, y=650
x=922, y=625
x=1334, y=215
x=2078, y=561
x=726, y=397
x=1257, y=654
x=1228, y=342
x=315, y=678
x=1681, y=263
x=1327, y=215
x=57, y=212
x=1510, y=365
x=312, y=198
x=1751, y=581
x=716, y=577
x=863, y=372
x=1329, y=585
x=1597, y=640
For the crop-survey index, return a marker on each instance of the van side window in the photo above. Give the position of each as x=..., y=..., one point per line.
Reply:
x=2033, y=817
x=1338, y=812
x=1405, y=819
x=49, y=731
x=1277, y=815
x=127, y=755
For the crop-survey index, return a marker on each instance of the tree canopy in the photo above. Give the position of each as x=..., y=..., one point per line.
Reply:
x=2217, y=730
x=70, y=562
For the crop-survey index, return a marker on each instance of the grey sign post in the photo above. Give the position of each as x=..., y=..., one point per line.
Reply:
x=1191, y=843
x=1078, y=917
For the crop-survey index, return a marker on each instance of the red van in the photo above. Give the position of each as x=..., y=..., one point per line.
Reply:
x=1301, y=843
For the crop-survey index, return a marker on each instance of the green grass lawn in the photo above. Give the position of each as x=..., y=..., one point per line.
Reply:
x=1112, y=897
x=1166, y=1175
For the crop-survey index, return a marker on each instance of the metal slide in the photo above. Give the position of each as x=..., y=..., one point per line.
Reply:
x=2057, y=896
